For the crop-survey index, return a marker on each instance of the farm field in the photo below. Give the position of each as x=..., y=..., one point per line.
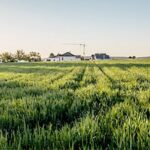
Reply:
x=76, y=105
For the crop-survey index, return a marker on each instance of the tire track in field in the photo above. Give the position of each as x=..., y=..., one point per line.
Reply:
x=58, y=121
x=105, y=74
x=26, y=90
x=73, y=82
x=39, y=108
x=76, y=112
x=115, y=84
x=87, y=108
x=120, y=97
x=117, y=97
x=48, y=118
x=66, y=113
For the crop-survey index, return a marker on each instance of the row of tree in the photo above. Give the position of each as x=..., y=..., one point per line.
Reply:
x=20, y=55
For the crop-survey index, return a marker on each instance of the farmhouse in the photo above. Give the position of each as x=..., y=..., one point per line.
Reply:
x=65, y=57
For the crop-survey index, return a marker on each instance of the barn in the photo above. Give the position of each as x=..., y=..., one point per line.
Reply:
x=99, y=56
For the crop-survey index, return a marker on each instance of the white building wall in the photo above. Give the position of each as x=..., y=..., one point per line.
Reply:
x=68, y=58
x=87, y=57
x=55, y=59
x=64, y=58
x=78, y=59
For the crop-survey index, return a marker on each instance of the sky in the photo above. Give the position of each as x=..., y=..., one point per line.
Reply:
x=115, y=27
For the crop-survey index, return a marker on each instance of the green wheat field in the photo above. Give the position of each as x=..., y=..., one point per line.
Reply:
x=75, y=105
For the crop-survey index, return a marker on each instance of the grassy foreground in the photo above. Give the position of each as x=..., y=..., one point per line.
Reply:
x=82, y=105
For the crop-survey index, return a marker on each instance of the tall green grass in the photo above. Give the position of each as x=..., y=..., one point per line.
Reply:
x=76, y=105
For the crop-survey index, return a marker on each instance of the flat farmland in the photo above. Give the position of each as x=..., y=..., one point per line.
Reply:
x=75, y=105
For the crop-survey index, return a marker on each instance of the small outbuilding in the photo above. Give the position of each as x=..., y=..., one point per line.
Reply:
x=87, y=58
x=100, y=56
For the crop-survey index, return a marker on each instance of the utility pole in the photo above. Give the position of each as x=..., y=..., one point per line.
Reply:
x=81, y=44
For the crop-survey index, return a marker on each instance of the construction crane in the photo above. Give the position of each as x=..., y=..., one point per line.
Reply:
x=81, y=44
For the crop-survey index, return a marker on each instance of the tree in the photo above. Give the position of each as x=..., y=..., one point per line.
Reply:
x=20, y=55
x=51, y=55
x=34, y=56
x=27, y=57
x=134, y=57
x=7, y=57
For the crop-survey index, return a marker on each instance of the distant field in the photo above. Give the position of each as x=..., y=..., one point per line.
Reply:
x=80, y=105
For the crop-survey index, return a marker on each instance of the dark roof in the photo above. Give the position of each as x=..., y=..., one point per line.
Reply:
x=67, y=54
x=101, y=56
x=58, y=55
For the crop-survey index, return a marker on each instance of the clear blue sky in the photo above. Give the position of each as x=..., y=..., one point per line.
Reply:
x=117, y=27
